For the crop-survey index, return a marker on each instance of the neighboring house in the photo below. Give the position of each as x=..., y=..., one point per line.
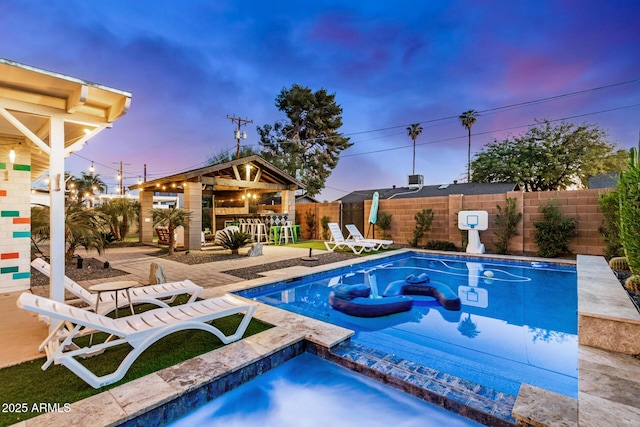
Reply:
x=300, y=200
x=604, y=180
x=473, y=188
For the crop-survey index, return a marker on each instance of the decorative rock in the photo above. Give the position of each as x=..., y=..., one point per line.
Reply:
x=156, y=274
x=256, y=250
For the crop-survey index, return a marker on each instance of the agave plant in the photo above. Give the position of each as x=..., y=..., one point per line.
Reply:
x=234, y=240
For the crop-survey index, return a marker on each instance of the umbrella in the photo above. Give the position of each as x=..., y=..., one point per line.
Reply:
x=373, y=213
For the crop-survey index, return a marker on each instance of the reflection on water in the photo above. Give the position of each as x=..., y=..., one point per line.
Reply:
x=311, y=392
x=468, y=328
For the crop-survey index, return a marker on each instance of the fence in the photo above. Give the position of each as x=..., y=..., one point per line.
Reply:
x=579, y=204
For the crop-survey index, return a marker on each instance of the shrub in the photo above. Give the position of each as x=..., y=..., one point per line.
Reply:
x=324, y=222
x=554, y=231
x=424, y=218
x=441, y=245
x=506, y=221
x=629, y=197
x=610, y=227
x=310, y=221
x=384, y=223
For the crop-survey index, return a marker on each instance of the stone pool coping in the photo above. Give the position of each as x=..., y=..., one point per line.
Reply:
x=533, y=406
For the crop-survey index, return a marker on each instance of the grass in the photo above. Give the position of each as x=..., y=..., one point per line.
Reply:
x=28, y=385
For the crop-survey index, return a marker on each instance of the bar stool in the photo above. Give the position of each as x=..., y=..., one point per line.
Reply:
x=274, y=233
x=244, y=225
x=286, y=233
x=259, y=231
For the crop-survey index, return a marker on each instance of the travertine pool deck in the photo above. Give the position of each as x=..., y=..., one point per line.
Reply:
x=609, y=380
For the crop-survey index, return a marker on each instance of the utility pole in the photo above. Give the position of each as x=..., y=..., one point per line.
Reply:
x=120, y=177
x=237, y=134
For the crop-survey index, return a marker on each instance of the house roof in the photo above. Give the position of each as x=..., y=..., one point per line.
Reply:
x=31, y=97
x=252, y=172
x=605, y=180
x=431, y=191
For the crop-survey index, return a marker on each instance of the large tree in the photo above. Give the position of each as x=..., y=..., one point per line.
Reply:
x=307, y=143
x=548, y=157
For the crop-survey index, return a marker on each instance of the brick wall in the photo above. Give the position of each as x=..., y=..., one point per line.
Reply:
x=15, y=216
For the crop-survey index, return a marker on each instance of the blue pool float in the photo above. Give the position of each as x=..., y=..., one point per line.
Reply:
x=421, y=285
x=354, y=300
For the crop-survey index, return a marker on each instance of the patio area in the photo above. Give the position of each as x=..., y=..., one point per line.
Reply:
x=609, y=382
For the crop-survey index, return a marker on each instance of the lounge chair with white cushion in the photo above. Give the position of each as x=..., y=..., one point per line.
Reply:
x=339, y=242
x=354, y=234
x=138, y=331
x=161, y=295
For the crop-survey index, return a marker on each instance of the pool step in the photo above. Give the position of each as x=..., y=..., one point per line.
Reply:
x=471, y=400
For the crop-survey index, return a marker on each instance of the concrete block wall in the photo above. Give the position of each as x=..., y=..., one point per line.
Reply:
x=15, y=217
x=579, y=204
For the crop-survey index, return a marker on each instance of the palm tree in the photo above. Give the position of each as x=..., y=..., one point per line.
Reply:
x=82, y=227
x=467, y=119
x=121, y=213
x=414, y=131
x=87, y=185
x=171, y=218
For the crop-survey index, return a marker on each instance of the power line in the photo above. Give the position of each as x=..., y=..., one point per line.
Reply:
x=488, y=132
x=490, y=110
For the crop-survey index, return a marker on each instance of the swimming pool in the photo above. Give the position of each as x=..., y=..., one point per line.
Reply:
x=517, y=322
x=309, y=391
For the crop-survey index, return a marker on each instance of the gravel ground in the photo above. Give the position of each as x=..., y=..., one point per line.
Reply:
x=252, y=272
x=91, y=269
x=94, y=269
x=635, y=296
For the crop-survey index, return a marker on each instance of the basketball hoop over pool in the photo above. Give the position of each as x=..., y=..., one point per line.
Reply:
x=473, y=221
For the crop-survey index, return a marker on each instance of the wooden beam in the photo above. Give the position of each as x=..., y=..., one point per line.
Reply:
x=77, y=98
x=25, y=130
x=236, y=172
x=119, y=109
x=80, y=143
x=232, y=183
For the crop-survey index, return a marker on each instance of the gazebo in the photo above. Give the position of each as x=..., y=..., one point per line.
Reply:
x=44, y=118
x=221, y=193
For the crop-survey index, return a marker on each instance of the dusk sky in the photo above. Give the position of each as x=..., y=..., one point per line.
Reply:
x=189, y=64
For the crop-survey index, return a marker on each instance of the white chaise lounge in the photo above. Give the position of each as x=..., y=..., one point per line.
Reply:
x=139, y=331
x=356, y=235
x=339, y=242
x=161, y=295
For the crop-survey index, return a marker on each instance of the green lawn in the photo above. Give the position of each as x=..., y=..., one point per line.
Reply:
x=29, y=385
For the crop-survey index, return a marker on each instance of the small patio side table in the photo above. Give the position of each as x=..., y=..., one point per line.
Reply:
x=115, y=287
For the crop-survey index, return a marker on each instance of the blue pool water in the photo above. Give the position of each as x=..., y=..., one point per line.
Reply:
x=308, y=391
x=518, y=322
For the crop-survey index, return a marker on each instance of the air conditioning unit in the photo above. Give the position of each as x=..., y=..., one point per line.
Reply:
x=416, y=181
